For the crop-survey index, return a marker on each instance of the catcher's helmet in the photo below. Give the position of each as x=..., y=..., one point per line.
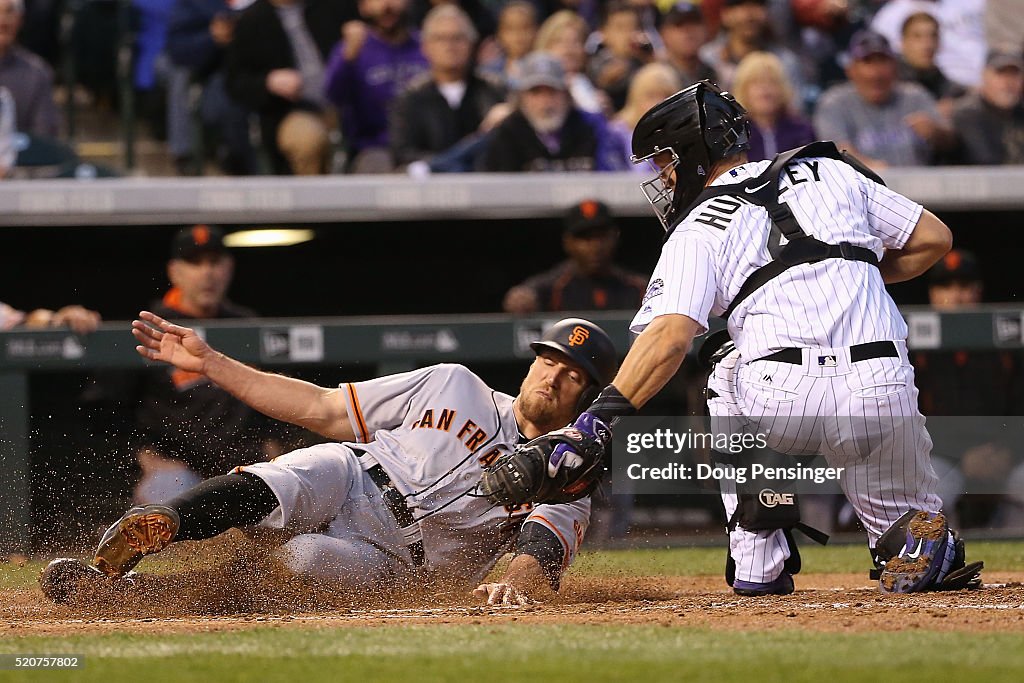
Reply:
x=697, y=126
x=586, y=344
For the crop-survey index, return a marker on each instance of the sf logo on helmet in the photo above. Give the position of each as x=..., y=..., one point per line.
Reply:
x=578, y=336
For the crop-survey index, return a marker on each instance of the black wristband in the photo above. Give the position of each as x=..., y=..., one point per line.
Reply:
x=537, y=540
x=610, y=404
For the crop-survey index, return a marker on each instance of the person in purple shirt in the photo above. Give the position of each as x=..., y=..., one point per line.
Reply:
x=373, y=63
x=763, y=89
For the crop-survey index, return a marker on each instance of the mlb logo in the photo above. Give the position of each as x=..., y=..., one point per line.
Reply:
x=826, y=361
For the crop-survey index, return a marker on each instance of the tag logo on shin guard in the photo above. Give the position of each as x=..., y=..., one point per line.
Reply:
x=771, y=499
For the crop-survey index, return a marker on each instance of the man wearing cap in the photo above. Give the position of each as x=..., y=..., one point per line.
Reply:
x=880, y=120
x=682, y=34
x=588, y=280
x=390, y=501
x=546, y=132
x=187, y=427
x=989, y=123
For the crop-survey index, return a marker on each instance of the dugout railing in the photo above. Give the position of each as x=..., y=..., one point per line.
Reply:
x=391, y=344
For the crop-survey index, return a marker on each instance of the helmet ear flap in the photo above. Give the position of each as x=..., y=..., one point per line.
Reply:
x=588, y=396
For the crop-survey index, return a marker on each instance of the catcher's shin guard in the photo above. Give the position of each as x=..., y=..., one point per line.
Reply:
x=919, y=552
x=142, y=531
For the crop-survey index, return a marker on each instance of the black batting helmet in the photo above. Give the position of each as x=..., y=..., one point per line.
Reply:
x=586, y=344
x=697, y=126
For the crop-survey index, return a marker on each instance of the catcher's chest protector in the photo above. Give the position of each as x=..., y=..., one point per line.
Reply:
x=800, y=248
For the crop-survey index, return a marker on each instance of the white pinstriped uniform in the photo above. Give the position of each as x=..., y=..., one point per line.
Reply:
x=862, y=415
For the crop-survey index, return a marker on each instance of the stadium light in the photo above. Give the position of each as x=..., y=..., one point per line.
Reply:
x=268, y=237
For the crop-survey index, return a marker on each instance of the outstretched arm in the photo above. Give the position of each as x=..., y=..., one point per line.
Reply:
x=316, y=408
x=655, y=357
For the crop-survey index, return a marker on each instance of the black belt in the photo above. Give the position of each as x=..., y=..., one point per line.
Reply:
x=395, y=502
x=858, y=352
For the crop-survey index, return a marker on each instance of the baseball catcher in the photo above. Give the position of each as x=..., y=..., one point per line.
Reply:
x=795, y=254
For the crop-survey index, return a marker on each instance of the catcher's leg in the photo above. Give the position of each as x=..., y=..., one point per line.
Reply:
x=885, y=448
x=203, y=511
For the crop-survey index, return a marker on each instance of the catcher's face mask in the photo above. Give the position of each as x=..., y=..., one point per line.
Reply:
x=660, y=189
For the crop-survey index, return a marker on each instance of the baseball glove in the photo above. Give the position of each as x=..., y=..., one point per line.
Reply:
x=522, y=476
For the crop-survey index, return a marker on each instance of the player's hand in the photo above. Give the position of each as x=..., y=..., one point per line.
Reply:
x=286, y=83
x=521, y=300
x=353, y=37
x=164, y=341
x=502, y=594
x=565, y=456
x=222, y=29
x=78, y=318
x=923, y=125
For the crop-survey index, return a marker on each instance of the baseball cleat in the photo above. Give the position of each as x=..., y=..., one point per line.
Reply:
x=142, y=531
x=924, y=559
x=783, y=585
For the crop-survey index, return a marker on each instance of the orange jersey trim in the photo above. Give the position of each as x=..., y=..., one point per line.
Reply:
x=364, y=434
x=548, y=524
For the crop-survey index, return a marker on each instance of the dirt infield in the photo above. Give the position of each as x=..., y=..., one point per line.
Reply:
x=184, y=603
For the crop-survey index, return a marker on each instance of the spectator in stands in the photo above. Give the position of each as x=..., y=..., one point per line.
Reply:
x=274, y=66
x=517, y=29
x=882, y=121
x=764, y=91
x=8, y=148
x=1004, y=25
x=683, y=34
x=989, y=123
x=745, y=29
x=651, y=84
x=80, y=319
x=197, y=38
x=152, y=76
x=450, y=102
x=564, y=36
x=478, y=11
x=26, y=76
x=588, y=280
x=962, y=50
x=823, y=29
x=374, y=62
x=188, y=428
x=546, y=132
x=625, y=48
x=920, y=42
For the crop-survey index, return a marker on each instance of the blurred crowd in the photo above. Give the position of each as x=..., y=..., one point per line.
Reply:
x=430, y=86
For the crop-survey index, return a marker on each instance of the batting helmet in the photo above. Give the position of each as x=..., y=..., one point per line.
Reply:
x=586, y=344
x=697, y=126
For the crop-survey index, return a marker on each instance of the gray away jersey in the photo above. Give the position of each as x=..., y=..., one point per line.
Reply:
x=830, y=304
x=433, y=430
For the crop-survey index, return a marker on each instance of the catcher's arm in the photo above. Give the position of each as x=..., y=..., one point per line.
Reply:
x=316, y=408
x=655, y=357
x=930, y=240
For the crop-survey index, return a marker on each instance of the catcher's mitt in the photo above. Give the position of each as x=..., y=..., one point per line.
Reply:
x=522, y=476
